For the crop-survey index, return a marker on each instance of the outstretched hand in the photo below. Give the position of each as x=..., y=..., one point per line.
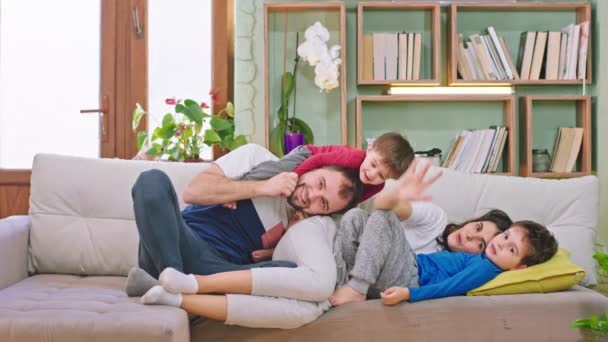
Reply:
x=411, y=186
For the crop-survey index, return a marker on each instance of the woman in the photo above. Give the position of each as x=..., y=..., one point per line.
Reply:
x=313, y=281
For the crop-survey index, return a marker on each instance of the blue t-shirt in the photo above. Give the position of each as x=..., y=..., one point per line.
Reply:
x=446, y=274
x=233, y=233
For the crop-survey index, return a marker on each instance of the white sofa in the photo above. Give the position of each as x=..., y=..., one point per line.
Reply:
x=63, y=267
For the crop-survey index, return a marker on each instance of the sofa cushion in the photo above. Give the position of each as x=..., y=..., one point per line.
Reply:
x=527, y=317
x=557, y=274
x=82, y=213
x=71, y=308
x=568, y=207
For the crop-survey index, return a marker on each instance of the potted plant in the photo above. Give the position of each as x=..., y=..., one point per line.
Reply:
x=291, y=132
x=595, y=328
x=180, y=136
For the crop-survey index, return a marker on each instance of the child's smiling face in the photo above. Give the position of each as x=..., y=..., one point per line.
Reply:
x=507, y=249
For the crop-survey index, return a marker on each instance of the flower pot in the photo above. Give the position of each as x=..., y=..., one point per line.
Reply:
x=293, y=140
x=199, y=160
x=217, y=151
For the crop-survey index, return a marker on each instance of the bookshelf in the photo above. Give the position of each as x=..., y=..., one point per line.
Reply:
x=510, y=20
x=325, y=113
x=424, y=106
x=376, y=17
x=581, y=105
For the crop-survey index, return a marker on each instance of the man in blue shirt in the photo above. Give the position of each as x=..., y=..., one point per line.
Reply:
x=206, y=238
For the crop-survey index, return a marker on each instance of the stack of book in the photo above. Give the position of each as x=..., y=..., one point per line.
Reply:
x=477, y=151
x=392, y=56
x=566, y=149
x=552, y=55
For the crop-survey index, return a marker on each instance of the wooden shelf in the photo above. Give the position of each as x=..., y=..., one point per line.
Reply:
x=508, y=117
x=435, y=39
x=583, y=119
x=581, y=12
x=306, y=8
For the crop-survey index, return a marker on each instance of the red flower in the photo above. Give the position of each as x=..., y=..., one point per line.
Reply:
x=214, y=92
x=204, y=105
x=172, y=101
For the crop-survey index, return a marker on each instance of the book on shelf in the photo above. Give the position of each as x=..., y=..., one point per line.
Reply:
x=553, y=51
x=512, y=67
x=538, y=56
x=391, y=43
x=573, y=53
x=583, y=46
x=493, y=56
x=462, y=64
x=417, y=56
x=483, y=57
x=378, y=55
x=566, y=149
x=568, y=32
x=562, y=56
x=402, y=63
x=368, y=57
x=449, y=159
x=502, y=53
x=526, y=50
x=410, y=56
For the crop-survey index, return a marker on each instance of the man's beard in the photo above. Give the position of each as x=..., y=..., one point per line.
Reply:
x=290, y=201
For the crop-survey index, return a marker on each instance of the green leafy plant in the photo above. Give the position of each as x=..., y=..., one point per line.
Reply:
x=286, y=123
x=180, y=136
x=222, y=130
x=596, y=327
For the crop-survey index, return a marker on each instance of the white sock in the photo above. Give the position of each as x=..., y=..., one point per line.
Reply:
x=175, y=281
x=157, y=295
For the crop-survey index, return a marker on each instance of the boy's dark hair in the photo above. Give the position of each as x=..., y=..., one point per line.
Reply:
x=543, y=244
x=499, y=217
x=354, y=190
x=397, y=152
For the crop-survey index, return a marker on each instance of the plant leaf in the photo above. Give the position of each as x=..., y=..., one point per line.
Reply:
x=230, y=109
x=168, y=119
x=141, y=138
x=192, y=110
x=302, y=127
x=287, y=85
x=602, y=260
x=155, y=150
x=277, y=141
x=220, y=124
x=282, y=113
x=167, y=132
x=138, y=113
x=238, y=142
x=211, y=137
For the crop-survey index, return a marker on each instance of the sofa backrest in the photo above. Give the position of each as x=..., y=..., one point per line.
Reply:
x=82, y=212
x=568, y=207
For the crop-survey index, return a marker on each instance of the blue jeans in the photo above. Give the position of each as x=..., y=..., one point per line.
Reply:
x=164, y=238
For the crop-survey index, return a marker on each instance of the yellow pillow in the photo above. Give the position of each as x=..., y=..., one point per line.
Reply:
x=556, y=274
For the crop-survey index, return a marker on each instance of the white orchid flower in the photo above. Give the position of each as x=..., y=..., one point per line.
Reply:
x=326, y=60
x=313, y=51
x=317, y=30
x=334, y=51
x=326, y=76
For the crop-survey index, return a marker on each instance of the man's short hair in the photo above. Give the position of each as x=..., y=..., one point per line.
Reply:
x=396, y=151
x=541, y=242
x=354, y=190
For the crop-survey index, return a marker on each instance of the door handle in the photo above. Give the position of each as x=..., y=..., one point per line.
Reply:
x=103, y=119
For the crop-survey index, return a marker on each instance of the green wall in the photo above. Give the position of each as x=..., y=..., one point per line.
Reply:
x=427, y=125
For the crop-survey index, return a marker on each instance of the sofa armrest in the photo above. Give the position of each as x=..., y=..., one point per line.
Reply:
x=14, y=235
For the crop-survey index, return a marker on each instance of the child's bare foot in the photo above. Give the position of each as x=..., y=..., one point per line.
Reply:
x=344, y=295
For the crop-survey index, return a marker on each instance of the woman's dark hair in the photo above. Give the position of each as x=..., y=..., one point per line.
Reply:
x=499, y=217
